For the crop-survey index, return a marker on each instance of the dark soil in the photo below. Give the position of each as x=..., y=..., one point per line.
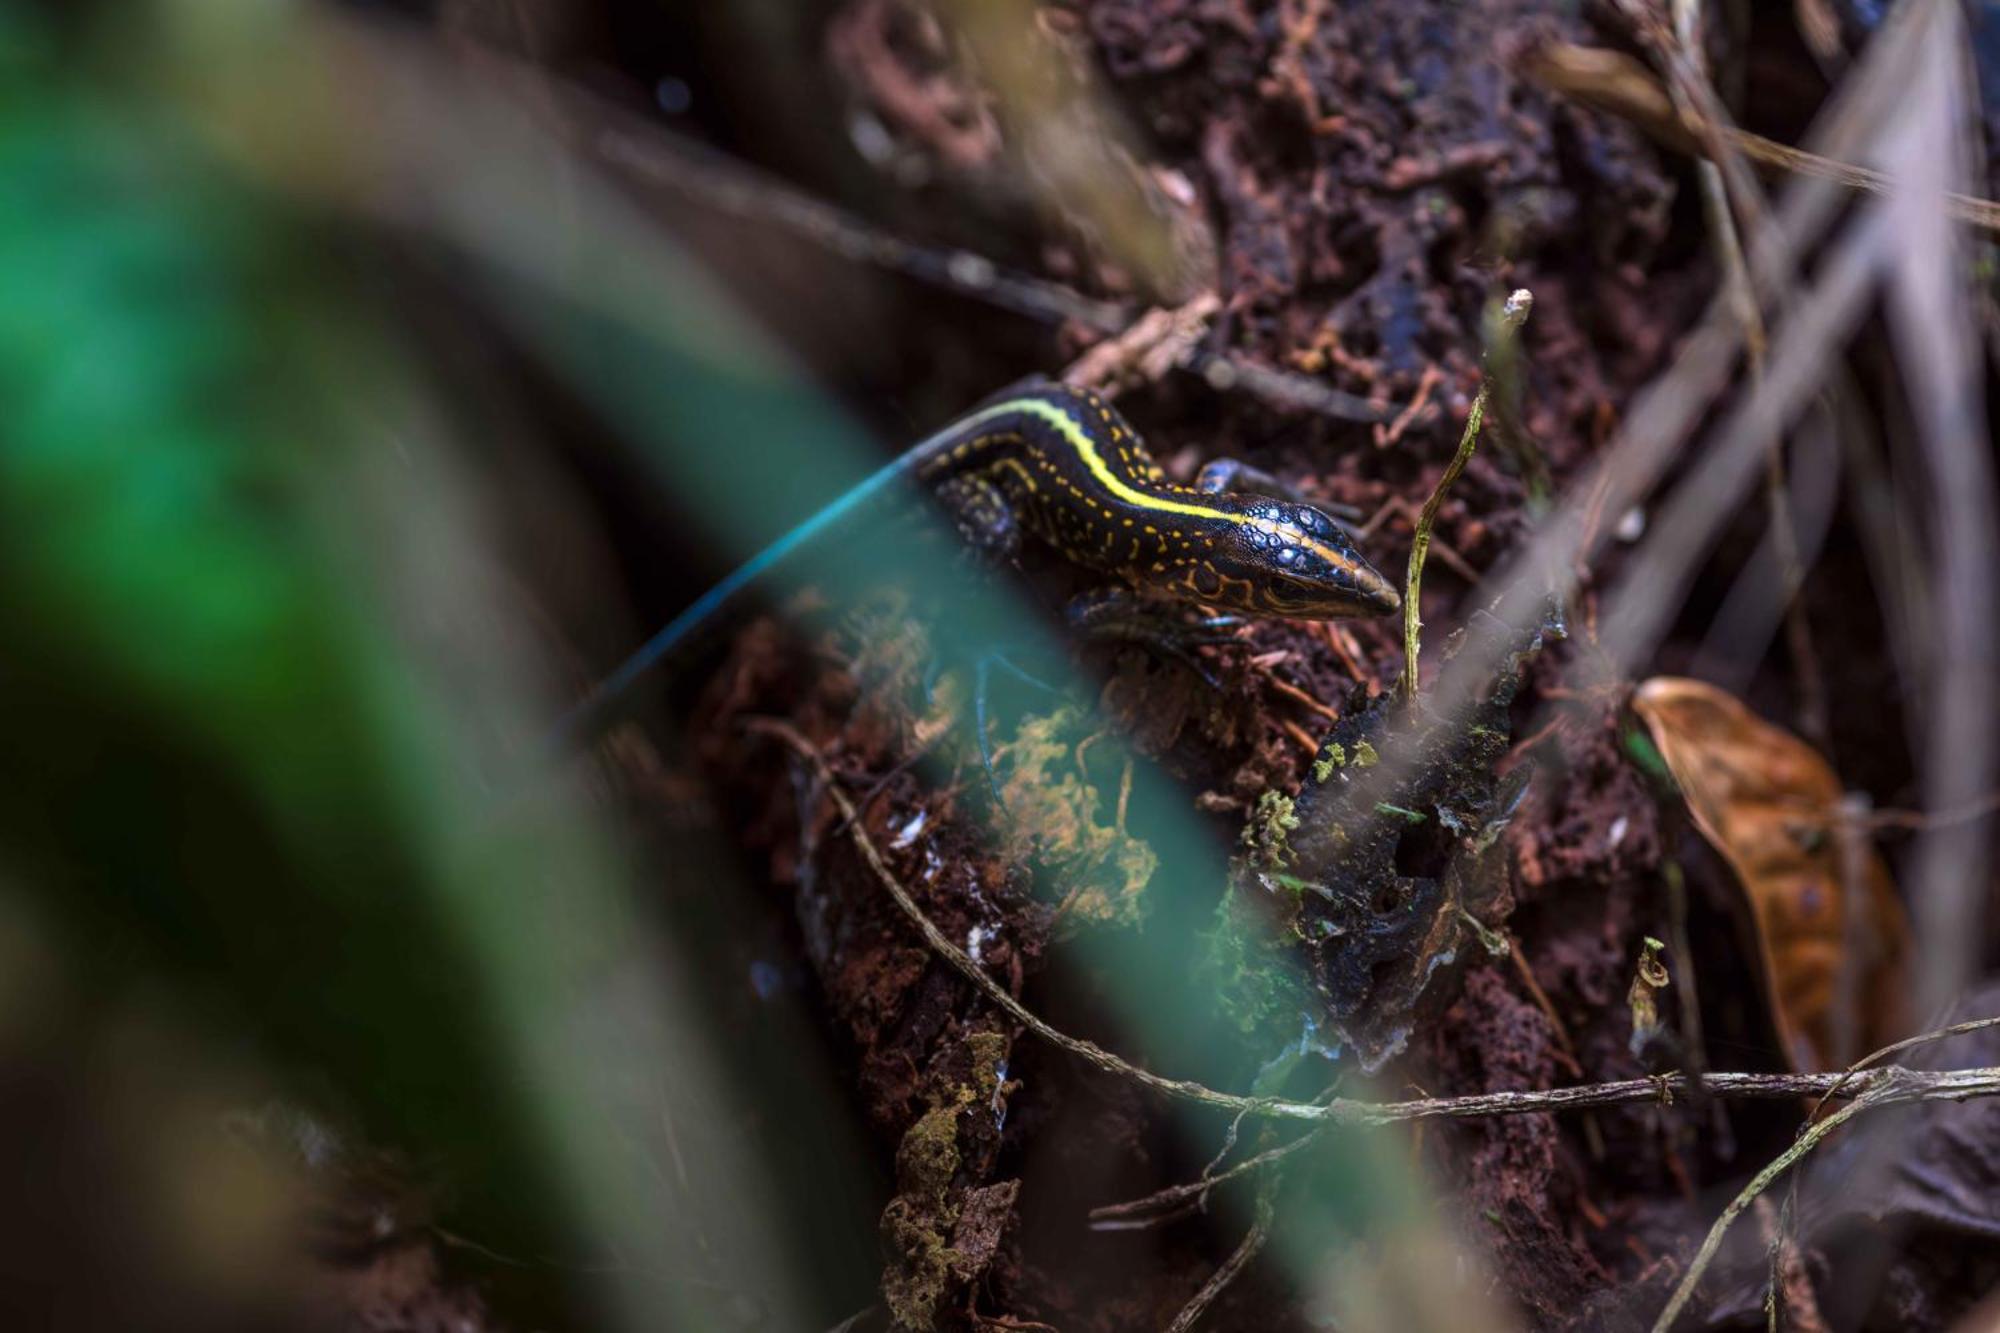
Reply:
x=1371, y=177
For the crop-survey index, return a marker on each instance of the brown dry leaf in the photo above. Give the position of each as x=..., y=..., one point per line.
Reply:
x=1649, y=978
x=1770, y=804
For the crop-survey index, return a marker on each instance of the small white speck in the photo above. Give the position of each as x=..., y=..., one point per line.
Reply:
x=975, y=941
x=871, y=138
x=970, y=270
x=1176, y=187
x=1619, y=827
x=999, y=1086
x=908, y=833
x=1631, y=525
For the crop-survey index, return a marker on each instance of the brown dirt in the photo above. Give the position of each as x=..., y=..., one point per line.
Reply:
x=1372, y=175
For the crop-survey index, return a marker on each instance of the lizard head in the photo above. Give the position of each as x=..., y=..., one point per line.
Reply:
x=1273, y=558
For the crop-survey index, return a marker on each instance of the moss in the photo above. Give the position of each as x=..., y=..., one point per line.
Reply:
x=1055, y=814
x=1333, y=755
x=914, y=1286
x=987, y=1049
x=1250, y=973
x=928, y=1155
x=1267, y=831
x=917, y=1225
x=918, y=1222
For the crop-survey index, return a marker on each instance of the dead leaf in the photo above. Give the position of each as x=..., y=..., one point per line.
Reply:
x=1649, y=978
x=1832, y=932
x=982, y=1220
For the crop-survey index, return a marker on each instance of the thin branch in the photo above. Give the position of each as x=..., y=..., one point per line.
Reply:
x=1722, y=178
x=1781, y=1239
x=1758, y=1184
x=1174, y=1195
x=1805, y=1143
x=1874, y=1058
x=1218, y=1282
x=1090, y=1052
x=1885, y=1086
x=1819, y=815
x=735, y=189
x=1924, y=819
x=1614, y=82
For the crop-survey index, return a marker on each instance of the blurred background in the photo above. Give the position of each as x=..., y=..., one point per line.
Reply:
x=375, y=376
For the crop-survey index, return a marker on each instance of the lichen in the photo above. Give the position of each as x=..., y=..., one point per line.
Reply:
x=1266, y=832
x=987, y=1050
x=915, y=1283
x=1333, y=755
x=1056, y=816
x=918, y=1224
x=1251, y=975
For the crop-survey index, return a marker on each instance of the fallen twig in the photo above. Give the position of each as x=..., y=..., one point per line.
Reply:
x=1913, y=820
x=1194, y=1190
x=1807, y=1139
x=1723, y=179
x=1758, y=1184
x=1885, y=1086
x=1614, y=82
x=1301, y=697
x=1218, y=1282
x=739, y=190
x=1874, y=1058
x=1146, y=349
x=731, y=187
x=1389, y=434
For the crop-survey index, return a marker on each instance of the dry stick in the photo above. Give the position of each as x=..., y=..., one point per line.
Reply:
x=1420, y=545
x=1614, y=82
x=1874, y=1058
x=1721, y=177
x=1820, y=816
x=1300, y=697
x=1512, y=315
x=1921, y=819
x=1218, y=1282
x=1787, y=1216
x=1152, y=1208
x=736, y=189
x=1886, y=1086
x=1758, y=1184
x=1090, y=1052
x=1162, y=1199
x=1805, y=1143
x=1565, y=1048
